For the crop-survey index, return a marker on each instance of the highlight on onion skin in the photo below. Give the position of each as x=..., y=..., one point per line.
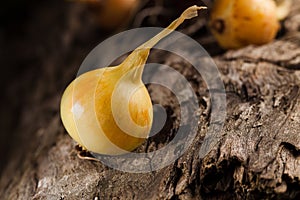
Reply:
x=283, y=8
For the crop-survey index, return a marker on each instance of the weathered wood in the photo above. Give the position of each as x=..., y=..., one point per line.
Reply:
x=258, y=156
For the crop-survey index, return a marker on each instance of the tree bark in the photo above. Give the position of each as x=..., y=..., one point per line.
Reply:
x=257, y=156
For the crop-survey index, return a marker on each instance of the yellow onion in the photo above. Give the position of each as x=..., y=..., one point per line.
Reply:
x=237, y=23
x=112, y=14
x=109, y=110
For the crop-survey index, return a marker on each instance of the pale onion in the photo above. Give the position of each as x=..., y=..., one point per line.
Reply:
x=109, y=110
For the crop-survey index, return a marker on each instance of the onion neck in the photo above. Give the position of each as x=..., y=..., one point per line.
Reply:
x=137, y=59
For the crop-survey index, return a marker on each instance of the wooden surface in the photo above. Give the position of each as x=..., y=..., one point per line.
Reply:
x=258, y=156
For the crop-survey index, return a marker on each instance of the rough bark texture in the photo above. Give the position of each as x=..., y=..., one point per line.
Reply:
x=258, y=156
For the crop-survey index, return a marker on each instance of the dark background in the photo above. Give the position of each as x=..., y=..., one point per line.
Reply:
x=42, y=44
